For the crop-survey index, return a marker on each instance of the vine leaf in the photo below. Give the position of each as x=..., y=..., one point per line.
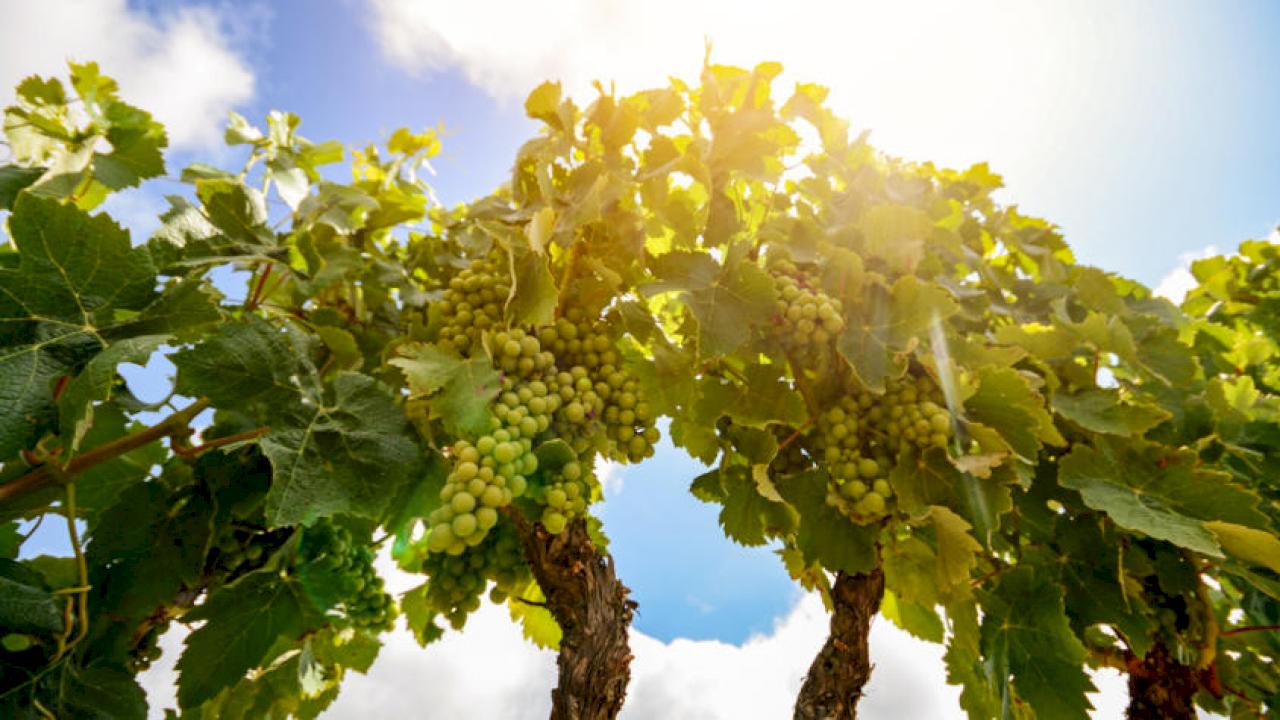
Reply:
x=238, y=211
x=896, y=233
x=100, y=487
x=910, y=570
x=13, y=179
x=26, y=607
x=534, y=293
x=964, y=663
x=242, y=364
x=726, y=300
x=77, y=284
x=1104, y=411
x=159, y=548
x=243, y=622
x=824, y=535
x=82, y=264
x=957, y=551
x=1006, y=402
x=1160, y=493
x=94, y=383
x=100, y=693
x=1025, y=631
x=1248, y=544
x=228, y=223
x=916, y=619
x=537, y=624
x=351, y=456
x=1092, y=574
x=929, y=480
x=465, y=387
x=748, y=517
x=420, y=616
x=885, y=322
x=762, y=399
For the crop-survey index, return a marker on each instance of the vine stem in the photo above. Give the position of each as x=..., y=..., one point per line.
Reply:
x=81, y=592
x=254, y=298
x=566, y=278
x=1249, y=629
x=188, y=451
x=48, y=475
x=793, y=436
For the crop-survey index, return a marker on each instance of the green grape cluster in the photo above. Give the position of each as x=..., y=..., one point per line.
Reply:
x=913, y=413
x=805, y=317
x=473, y=302
x=565, y=496
x=604, y=409
x=329, y=547
x=458, y=581
x=518, y=354
x=488, y=474
x=859, y=436
x=242, y=549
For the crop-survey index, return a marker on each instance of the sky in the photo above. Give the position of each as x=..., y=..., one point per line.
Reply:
x=1145, y=130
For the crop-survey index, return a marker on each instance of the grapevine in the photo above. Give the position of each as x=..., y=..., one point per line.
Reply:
x=1093, y=488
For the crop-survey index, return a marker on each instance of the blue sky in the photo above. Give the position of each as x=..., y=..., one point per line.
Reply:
x=1146, y=130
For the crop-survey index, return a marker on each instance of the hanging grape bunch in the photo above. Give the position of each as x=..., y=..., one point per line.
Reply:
x=486, y=476
x=473, y=302
x=238, y=550
x=857, y=440
x=913, y=414
x=805, y=318
x=458, y=581
x=329, y=547
x=565, y=496
x=604, y=409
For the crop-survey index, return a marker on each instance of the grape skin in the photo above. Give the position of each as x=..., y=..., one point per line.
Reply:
x=458, y=581
x=857, y=440
x=363, y=601
x=805, y=318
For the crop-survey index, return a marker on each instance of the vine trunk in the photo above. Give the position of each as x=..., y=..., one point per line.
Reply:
x=594, y=612
x=1161, y=687
x=835, y=680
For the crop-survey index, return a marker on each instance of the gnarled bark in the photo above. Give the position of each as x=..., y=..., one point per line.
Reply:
x=591, y=605
x=1161, y=687
x=834, y=684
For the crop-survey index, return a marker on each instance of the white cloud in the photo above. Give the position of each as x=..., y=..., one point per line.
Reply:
x=179, y=65
x=489, y=671
x=610, y=476
x=1178, y=281
x=954, y=83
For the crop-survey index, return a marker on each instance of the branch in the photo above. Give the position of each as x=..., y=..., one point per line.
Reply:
x=82, y=592
x=47, y=475
x=188, y=451
x=795, y=435
x=254, y=298
x=1249, y=629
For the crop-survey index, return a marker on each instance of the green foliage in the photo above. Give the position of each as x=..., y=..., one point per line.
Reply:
x=884, y=366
